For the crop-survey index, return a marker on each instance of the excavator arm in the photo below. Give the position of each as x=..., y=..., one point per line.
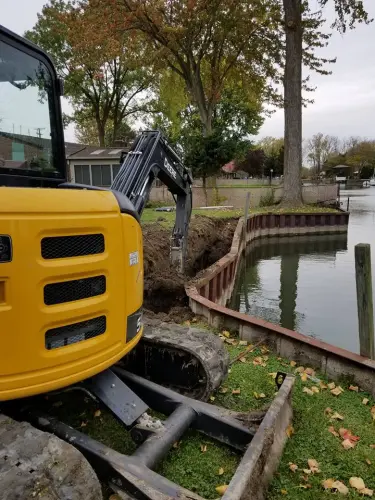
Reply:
x=149, y=158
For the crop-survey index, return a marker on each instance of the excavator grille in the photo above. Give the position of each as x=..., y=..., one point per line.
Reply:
x=75, y=332
x=67, y=291
x=59, y=247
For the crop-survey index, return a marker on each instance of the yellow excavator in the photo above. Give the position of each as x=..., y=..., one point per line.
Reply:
x=71, y=286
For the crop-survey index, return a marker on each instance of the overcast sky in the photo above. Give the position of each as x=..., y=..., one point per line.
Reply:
x=344, y=102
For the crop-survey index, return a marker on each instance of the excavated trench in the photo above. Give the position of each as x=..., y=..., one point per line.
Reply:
x=209, y=240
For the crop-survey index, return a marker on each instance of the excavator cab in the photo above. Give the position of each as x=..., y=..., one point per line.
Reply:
x=71, y=262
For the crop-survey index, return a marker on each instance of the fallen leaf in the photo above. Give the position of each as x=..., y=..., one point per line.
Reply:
x=357, y=483
x=176, y=444
x=187, y=323
x=289, y=431
x=266, y=358
x=220, y=471
x=372, y=446
x=336, y=391
x=236, y=391
x=293, y=467
x=340, y=487
x=257, y=361
x=97, y=413
x=242, y=342
x=83, y=424
x=332, y=385
x=307, y=471
x=230, y=341
x=368, y=461
x=305, y=486
x=221, y=489
x=314, y=466
x=226, y=334
x=364, y=401
x=347, y=434
x=367, y=492
x=293, y=363
x=259, y=396
x=332, y=431
x=264, y=349
x=310, y=371
x=315, y=389
x=373, y=412
x=303, y=377
x=305, y=478
x=223, y=390
x=328, y=411
x=300, y=369
x=347, y=444
x=203, y=448
x=336, y=416
x=283, y=492
x=273, y=375
x=212, y=398
x=308, y=391
x=243, y=360
x=322, y=385
x=353, y=388
x=328, y=484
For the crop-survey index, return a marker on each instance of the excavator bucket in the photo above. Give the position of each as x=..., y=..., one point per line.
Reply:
x=258, y=437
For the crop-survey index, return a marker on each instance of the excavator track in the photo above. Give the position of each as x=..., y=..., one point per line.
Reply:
x=189, y=360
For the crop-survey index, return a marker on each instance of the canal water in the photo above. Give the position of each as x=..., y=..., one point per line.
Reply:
x=307, y=283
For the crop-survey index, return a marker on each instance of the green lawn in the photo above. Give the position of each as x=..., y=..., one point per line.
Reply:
x=167, y=219
x=199, y=470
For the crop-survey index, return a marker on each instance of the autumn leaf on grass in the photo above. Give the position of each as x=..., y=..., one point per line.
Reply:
x=293, y=363
x=259, y=396
x=83, y=424
x=243, y=359
x=332, y=431
x=300, y=369
x=242, y=342
x=347, y=444
x=203, y=448
x=322, y=385
x=353, y=388
x=313, y=465
x=220, y=471
x=308, y=391
x=221, y=489
x=328, y=483
x=264, y=349
x=289, y=431
x=305, y=486
x=367, y=492
x=257, y=361
x=310, y=371
x=303, y=377
x=315, y=389
x=347, y=434
x=336, y=416
x=223, y=390
x=368, y=461
x=365, y=401
x=332, y=385
x=373, y=412
x=175, y=445
x=226, y=334
x=283, y=492
x=236, y=391
x=328, y=411
x=97, y=413
x=340, y=487
x=273, y=375
x=337, y=391
x=357, y=483
x=293, y=467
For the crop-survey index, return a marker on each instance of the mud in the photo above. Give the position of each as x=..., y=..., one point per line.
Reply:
x=164, y=294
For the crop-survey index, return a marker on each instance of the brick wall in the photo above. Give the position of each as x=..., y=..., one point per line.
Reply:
x=6, y=149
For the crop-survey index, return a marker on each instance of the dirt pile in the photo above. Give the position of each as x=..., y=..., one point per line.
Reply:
x=209, y=240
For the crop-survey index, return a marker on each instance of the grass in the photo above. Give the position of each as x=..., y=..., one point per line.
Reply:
x=198, y=471
x=167, y=219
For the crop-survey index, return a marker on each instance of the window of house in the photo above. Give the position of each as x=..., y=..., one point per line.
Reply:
x=82, y=174
x=18, y=151
x=101, y=175
x=115, y=171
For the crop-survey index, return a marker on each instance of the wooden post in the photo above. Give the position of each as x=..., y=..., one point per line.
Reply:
x=364, y=299
x=246, y=215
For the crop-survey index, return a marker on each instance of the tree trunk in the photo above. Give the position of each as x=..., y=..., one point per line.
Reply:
x=293, y=104
x=101, y=135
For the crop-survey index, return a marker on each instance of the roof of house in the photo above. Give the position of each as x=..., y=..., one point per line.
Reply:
x=95, y=152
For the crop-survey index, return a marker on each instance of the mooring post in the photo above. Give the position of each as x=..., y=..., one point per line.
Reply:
x=364, y=299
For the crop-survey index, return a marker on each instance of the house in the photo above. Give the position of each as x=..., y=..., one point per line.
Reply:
x=85, y=164
x=94, y=165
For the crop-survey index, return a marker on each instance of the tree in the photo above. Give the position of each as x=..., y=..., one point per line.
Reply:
x=86, y=133
x=208, y=44
x=103, y=76
x=253, y=163
x=319, y=148
x=348, y=13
